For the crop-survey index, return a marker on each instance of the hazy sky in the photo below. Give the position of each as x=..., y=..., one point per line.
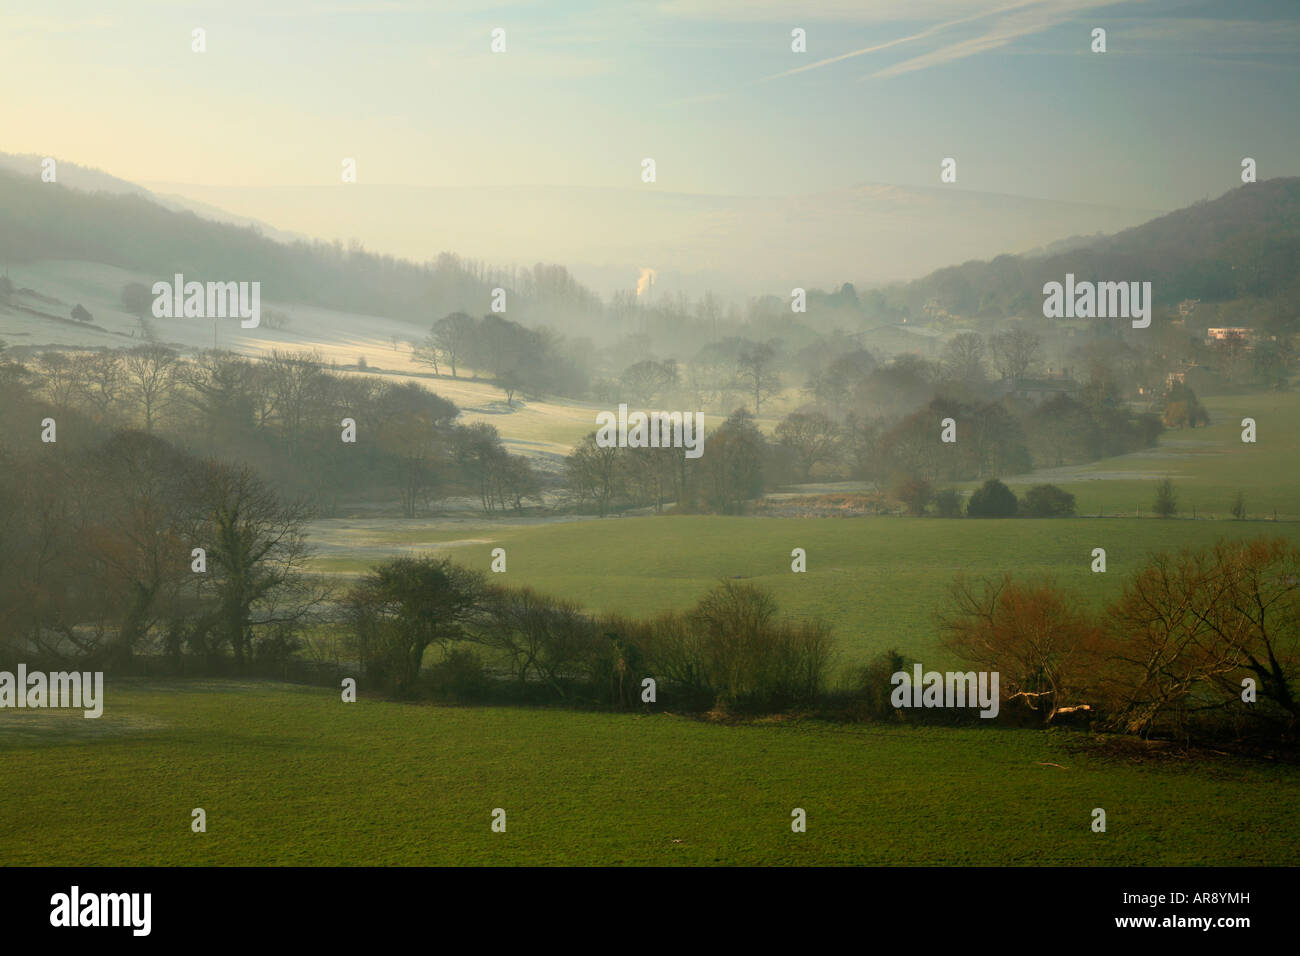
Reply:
x=709, y=88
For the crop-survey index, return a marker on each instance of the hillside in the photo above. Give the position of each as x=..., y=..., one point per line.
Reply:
x=1244, y=244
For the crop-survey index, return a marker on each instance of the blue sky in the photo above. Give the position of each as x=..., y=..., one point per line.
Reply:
x=585, y=90
x=709, y=88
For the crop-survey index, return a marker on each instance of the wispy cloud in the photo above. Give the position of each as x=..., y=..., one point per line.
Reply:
x=929, y=31
x=1026, y=21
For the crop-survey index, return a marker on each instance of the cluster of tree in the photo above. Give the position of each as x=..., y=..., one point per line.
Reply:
x=993, y=499
x=993, y=438
x=531, y=361
x=732, y=649
x=283, y=415
x=129, y=544
x=1200, y=643
x=730, y=472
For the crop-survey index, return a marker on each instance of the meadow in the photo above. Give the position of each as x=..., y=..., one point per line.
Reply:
x=878, y=581
x=292, y=775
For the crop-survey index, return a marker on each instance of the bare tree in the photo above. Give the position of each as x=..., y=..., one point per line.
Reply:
x=1015, y=352
x=756, y=373
x=151, y=379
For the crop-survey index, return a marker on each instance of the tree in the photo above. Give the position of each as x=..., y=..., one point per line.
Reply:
x=256, y=551
x=732, y=464
x=648, y=380
x=914, y=492
x=756, y=373
x=537, y=634
x=963, y=358
x=1015, y=352
x=137, y=536
x=99, y=380
x=1033, y=634
x=453, y=334
x=413, y=425
x=80, y=314
x=834, y=386
x=510, y=381
x=427, y=353
x=1190, y=627
x=992, y=499
x=594, y=473
x=948, y=503
x=1239, y=507
x=1166, y=504
x=812, y=437
x=150, y=374
x=137, y=299
x=1048, y=501
x=403, y=606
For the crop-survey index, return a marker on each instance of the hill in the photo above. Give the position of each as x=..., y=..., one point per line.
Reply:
x=1245, y=244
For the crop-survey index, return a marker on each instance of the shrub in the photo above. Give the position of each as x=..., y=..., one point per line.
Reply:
x=750, y=659
x=461, y=675
x=948, y=503
x=1048, y=501
x=914, y=493
x=1239, y=507
x=992, y=499
x=871, y=685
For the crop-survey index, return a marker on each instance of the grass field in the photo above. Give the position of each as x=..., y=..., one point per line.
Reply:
x=1208, y=465
x=878, y=581
x=291, y=775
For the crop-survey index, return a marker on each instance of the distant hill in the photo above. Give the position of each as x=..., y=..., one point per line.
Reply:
x=125, y=226
x=85, y=179
x=1244, y=244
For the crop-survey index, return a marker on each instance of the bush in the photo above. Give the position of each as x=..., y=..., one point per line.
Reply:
x=871, y=686
x=1239, y=507
x=992, y=499
x=948, y=503
x=752, y=660
x=461, y=675
x=913, y=492
x=1048, y=501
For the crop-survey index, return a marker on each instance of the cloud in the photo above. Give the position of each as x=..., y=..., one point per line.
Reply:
x=1020, y=23
x=857, y=11
x=1010, y=21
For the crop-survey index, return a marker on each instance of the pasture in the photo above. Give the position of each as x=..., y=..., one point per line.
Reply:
x=291, y=775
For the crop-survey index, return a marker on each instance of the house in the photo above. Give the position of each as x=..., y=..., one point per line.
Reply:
x=1036, y=391
x=1234, y=333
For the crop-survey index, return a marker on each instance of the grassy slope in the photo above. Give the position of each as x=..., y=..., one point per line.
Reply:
x=290, y=775
x=1207, y=465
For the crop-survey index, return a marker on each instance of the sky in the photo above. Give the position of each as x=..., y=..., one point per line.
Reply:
x=710, y=89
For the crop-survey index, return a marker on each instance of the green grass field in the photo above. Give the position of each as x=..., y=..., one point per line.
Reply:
x=1208, y=465
x=878, y=581
x=291, y=775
